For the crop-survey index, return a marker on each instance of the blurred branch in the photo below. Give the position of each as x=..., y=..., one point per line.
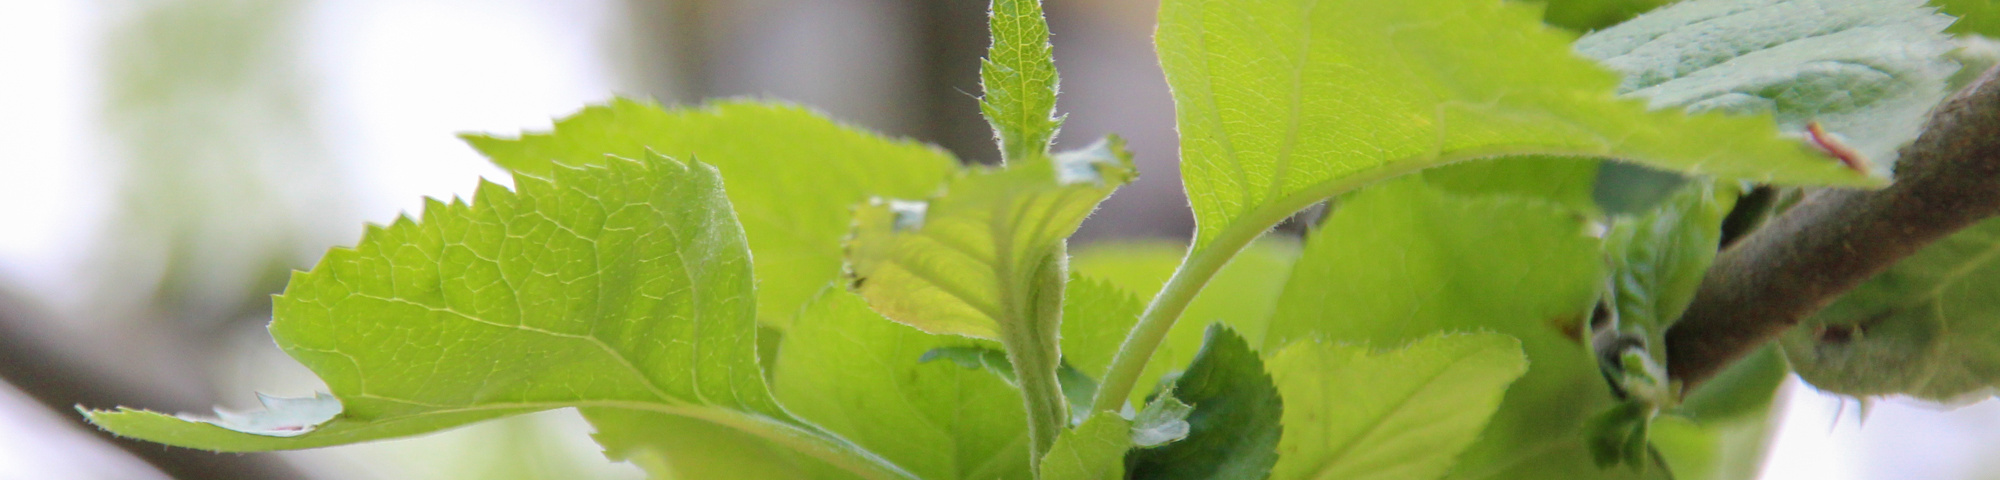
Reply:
x=1835, y=239
x=59, y=378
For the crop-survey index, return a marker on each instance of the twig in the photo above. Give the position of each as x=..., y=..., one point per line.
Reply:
x=1834, y=239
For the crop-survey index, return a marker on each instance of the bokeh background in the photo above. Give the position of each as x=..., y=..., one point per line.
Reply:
x=164, y=163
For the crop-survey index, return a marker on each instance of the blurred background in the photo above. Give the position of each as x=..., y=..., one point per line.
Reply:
x=165, y=163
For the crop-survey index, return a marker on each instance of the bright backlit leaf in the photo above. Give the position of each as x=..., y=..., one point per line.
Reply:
x=967, y=262
x=1403, y=261
x=622, y=286
x=845, y=368
x=1283, y=103
x=1094, y=450
x=1019, y=76
x=1351, y=413
x=793, y=176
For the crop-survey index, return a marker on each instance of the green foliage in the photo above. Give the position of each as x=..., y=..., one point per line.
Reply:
x=1233, y=430
x=1405, y=414
x=793, y=176
x=1867, y=70
x=845, y=368
x=1094, y=450
x=966, y=262
x=1421, y=83
x=1430, y=326
x=1019, y=74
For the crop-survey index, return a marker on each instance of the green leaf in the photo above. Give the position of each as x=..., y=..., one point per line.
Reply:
x=675, y=446
x=1077, y=387
x=619, y=286
x=1019, y=75
x=1283, y=103
x=1974, y=16
x=1092, y=451
x=1096, y=317
x=793, y=176
x=1658, y=259
x=1240, y=296
x=1928, y=327
x=1868, y=70
x=845, y=368
x=1402, y=261
x=1569, y=182
x=964, y=262
x=1588, y=15
x=1355, y=414
x=1234, y=429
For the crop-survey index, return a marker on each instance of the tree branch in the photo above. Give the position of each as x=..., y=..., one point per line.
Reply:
x=1834, y=239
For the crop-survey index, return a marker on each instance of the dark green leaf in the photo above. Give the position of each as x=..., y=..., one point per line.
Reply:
x=1234, y=428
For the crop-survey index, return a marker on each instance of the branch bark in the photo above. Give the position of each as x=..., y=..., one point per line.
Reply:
x=1834, y=239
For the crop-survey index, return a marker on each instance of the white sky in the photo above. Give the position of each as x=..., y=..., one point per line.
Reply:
x=396, y=79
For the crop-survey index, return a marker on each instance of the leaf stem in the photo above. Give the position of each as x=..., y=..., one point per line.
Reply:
x=1033, y=349
x=1205, y=259
x=822, y=445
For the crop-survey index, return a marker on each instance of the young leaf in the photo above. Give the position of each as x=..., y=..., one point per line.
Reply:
x=1240, y=296
x=1019, y=75
x=1658, y=259
x=1234, y=429
x=676, y=446
x=1163, y=421
x=1402, y=261
x=964, y=262
x=1405, y=414
x=1094, y=450
x=1283, y=103
x=1928, y=328
x=793, y=176
x=845, y=368
x=624, y=285
x=1868, y=70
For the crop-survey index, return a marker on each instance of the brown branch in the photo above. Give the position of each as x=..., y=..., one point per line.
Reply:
x=1947, y=180
x=55, y=377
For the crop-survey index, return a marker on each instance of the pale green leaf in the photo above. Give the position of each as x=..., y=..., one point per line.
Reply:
x=966, y=262
x=1570, y=182
x=1019, y=75
x=1240, y=296
x=1868, y=70
x=1234, y=429
x=1162, y=421
x=679, y=447
x=1094, y=450
x=1096, y=317
x=1658, y=259
x=624, y=285
x=845, y=368
x=793, y=176
x=1402, y=261
x=1406, y=414
x=1928, y=328
x=1283, y=103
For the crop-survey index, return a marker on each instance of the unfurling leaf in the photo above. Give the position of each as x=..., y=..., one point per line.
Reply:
x=1019, y=76
x=1163, y=421
x=1234, y=428
x=966, y=261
